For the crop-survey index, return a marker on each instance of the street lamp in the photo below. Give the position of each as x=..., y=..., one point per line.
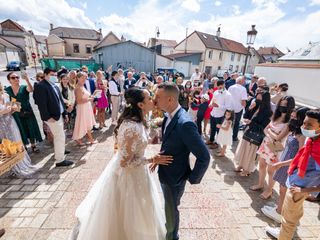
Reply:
x=251, y=37
x=154, y=47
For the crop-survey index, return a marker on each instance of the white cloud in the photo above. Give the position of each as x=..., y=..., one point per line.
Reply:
x=301, y=9
x=83, y=5
x=314, y=2
x=191, y=5
x=217, y=3
x=37, y=15
x=235, y=9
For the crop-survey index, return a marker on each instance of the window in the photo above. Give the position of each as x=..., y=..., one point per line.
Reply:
x=88, y=49
x=232, y=56
x=220, y=55
x=237, y=68
x=208, y=69
x=210, y=54
x=306, y=52
x=219, y=67
x=76, y=48
x=231, y=68
x=239, y=57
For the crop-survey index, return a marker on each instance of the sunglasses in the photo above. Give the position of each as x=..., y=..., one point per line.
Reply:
x=16, y=77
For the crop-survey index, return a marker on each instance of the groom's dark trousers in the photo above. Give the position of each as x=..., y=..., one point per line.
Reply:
x=180, y=138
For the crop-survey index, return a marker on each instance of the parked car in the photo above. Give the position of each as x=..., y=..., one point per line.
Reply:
x=170, y=71
x=14, y=66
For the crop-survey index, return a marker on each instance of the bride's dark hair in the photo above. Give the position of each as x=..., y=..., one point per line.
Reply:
x=132, y=111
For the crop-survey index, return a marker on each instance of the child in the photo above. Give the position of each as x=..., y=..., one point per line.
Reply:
x=102, y=103
x=304, y=177
x=224, y=137
x=201, y=111
x=195, y=104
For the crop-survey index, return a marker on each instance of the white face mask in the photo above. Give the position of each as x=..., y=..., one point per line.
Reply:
x=309, y=133
x=53, y=79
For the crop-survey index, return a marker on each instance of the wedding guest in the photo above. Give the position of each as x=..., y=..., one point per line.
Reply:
x=72, y=75
x=9, y=130
x=115, y=92
x=25, y=119
x=276, y=133
x=202, y=111
x=304, y=178
x=129, y=82
x=294, y=142
x=85, y=118
x=102, y=102
x=188, y=87
x=69, y=99
x=281, y=91
x=195, y=103
x=224, y=137
x=50, y=103
x=239, y=100
x=195, y=78
x=246, y=152
x=220, y=102
x=184, y=98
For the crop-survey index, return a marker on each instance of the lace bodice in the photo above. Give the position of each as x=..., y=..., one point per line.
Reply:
x=132, y=141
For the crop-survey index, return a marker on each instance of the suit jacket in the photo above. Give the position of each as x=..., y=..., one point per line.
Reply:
x=126, y=84
x=179, y=140
x=48, y=102
x=92, y=86
x=254, y=88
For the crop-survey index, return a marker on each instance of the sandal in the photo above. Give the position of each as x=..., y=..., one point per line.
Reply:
x=79, y=143
x=35, y=149
x=265, y=197
x=92, y=142
x=256, y=188
x=244, y=174
x=237, y=169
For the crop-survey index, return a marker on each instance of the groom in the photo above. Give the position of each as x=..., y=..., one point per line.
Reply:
x=180, y=137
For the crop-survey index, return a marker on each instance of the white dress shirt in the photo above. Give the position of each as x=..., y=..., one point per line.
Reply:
x=224, y=101
x=170, y=117
x=113, y=89
x=238, y=94
x=88, y=86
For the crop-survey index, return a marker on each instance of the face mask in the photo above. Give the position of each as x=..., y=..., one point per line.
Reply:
x=309, y=133
x=221, y=90
x=283, y=109
x=293, y=125
x=53, y=79
x=188, y=86
x=196, y=96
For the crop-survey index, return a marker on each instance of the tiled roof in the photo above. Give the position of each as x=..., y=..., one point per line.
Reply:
x=179, y=55
x=40, y=38
x=215, y=42
x=11, y=25
x=7, y=44
x=270, y=51
x=311, y=52
x=77, y=33
x=166, y=43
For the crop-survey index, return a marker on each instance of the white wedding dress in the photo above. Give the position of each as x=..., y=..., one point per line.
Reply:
x=124, y=203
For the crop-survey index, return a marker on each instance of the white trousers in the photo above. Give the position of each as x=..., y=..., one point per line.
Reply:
x=115, y=107
x=59, y=139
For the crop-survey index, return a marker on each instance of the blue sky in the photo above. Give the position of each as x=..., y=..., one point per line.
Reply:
x=282, y=23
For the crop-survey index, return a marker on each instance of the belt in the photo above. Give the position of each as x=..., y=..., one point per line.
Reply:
x=115, y=95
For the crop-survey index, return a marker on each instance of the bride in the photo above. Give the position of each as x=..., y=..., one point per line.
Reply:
x=124, y=203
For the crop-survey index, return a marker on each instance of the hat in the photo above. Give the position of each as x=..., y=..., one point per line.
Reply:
x=205, y=97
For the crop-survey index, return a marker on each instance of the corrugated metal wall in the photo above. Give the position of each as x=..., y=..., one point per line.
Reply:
x=125, y=55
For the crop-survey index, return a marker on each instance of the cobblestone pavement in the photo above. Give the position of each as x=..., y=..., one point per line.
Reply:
x=221, y=207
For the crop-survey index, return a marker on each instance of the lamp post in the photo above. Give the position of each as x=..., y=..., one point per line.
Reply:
x=157, y=34
x=251, y=37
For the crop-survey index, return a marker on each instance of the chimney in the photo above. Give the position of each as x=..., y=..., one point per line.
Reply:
x=51, y=26
x=123, y=38
x=218, y=32
x=100, y=31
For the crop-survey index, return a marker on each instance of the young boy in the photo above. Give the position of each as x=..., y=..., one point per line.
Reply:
x=304, y=177
x=201, y=111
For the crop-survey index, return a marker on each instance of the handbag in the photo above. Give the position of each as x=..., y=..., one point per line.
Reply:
x=254, y=135
x=275, y=146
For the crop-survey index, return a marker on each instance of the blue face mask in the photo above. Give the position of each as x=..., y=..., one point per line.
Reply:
x=53, y=79
x=309, y=133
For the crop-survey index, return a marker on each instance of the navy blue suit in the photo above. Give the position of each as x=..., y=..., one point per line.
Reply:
x=126, y=84
x=92, y=86
x=181, y=138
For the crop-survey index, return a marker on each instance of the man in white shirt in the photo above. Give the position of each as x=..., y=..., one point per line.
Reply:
x=239, y=100
x=115, y=92
x=195, y=78
x=220, y=102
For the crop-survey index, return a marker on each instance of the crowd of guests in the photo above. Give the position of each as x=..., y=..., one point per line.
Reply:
x=282, y=138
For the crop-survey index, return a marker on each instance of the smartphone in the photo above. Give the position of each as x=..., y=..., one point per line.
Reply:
x=23, y=73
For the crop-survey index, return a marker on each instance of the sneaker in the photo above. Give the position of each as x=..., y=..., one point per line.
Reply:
x=271, y=212
x=274, y=232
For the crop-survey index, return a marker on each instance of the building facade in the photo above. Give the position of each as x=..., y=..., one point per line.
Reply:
x=72, y=42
